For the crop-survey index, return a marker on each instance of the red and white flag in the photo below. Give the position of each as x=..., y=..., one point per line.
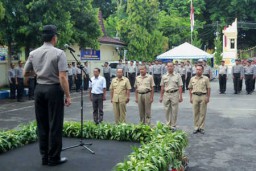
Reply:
x=192, y=21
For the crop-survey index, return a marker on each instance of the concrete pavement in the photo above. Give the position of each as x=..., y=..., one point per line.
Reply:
x=229, y=141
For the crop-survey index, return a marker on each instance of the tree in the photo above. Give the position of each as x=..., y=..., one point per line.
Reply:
x=218, y=50
x=24, y=21
x=140, y=30
x=2, y=11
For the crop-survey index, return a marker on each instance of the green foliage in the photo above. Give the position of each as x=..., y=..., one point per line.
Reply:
x=2, y=11
x=218, y=51
x=160, y=147
x=16, y=138
x=140, y=30
x=24, y=21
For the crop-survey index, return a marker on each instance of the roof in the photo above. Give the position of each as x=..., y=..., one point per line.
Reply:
x=106, y=39
x=185, y=51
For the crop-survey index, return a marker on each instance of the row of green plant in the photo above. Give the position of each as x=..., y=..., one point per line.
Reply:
x=159, y=148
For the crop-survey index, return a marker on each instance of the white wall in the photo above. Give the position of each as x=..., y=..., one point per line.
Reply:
x=3, y=73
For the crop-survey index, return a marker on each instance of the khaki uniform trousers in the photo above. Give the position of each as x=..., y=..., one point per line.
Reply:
x=144, y=108
x=120, y=112
x=171, y=106
x=199, y=108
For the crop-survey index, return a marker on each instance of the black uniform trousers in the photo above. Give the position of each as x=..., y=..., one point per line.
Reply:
x=31, y=87
x=107, y=77
x=97, y=104
x=241, y=85
x=12, y=88
x=70, y=82
x=86, y=82
x=20, y=88
x=78, y=82
x=183, y=77
x=157, y=80
x=131, y=77
x=248, y=83
x=222, y=82
x=49, y=109
x=237, y=82
x=253, y=84
x=188, y=79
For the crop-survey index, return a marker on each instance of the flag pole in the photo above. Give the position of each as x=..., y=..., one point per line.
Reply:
x=191, y=21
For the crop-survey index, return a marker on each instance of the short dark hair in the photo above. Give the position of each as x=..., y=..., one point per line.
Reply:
x=47, y=37
x=97, y=69
x=201, y=66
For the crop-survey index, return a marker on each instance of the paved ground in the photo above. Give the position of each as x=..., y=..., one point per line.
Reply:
x=229, y=142
x=106, y=157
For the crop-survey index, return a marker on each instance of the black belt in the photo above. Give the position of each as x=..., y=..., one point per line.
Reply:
x=171, y=91
x=199, y=93
x=144, y=92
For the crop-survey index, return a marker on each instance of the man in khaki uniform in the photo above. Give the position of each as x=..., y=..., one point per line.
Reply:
x=144, y=94
x=171, y=94
x=199, y=90
x=120, y=95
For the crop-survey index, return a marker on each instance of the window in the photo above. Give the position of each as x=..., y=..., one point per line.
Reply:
x=232, y=43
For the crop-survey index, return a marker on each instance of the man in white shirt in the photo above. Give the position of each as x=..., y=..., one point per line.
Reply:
x=97, y=92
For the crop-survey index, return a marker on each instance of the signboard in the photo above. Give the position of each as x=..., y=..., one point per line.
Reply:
x=90, y=54
x=3, y=54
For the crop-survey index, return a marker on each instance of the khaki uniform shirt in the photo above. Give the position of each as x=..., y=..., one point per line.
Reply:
x=171, y=81
x=199, y=85
x=120, y=87
x=144, y=84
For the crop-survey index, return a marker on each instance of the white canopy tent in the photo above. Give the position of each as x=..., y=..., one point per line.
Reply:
x=185, y=51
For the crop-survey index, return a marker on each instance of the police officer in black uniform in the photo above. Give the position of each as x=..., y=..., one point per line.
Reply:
x=50, y=65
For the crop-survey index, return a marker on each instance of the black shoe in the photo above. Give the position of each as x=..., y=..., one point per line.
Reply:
x=58, y=162
x=195, y=131
x=235, y=92
x=45, y=161
x=201, y=131
x=20, y=100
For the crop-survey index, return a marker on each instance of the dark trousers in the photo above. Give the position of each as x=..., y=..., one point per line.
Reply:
x=49, y=108
x=188, y=79
x=157, y=80
x=237, y=82
x=78, y=82
x=107, y=77
x=131, y=77
x=248, y=83
x=184, y=82
x=97, y=103
x=31, y=87
x=222, y=82
x=12, y=88
x=241, y=85
x=86, y=82
x=70, y=82
x=20, y=88
x=253, y=84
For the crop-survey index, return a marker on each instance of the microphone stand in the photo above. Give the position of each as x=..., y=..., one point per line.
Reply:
x=81, y=144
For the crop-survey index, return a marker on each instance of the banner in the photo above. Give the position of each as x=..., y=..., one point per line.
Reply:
x=3, y=54
x=90, y=54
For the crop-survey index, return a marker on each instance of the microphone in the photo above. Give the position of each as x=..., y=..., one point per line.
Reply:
x=69, y=48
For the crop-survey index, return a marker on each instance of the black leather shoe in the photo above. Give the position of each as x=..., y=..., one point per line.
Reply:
x=44, y=162
x=58, y=162
x=195, y=131
x=201, y=131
